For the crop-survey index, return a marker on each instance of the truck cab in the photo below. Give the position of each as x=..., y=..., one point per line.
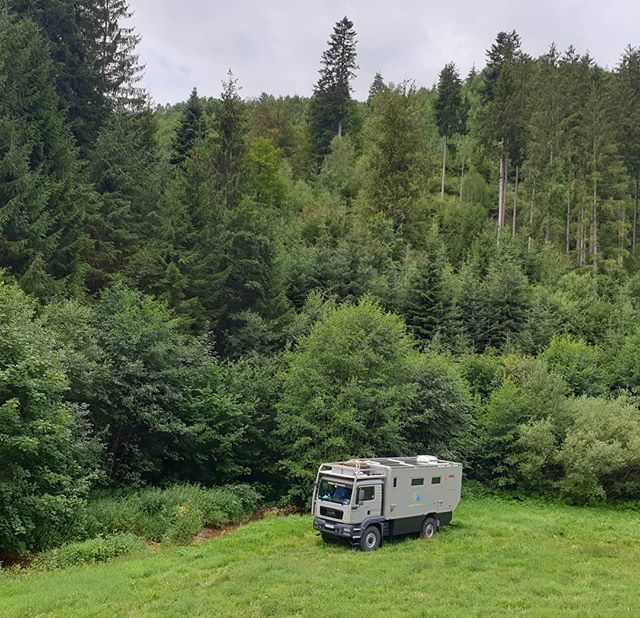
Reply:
x=364, y=501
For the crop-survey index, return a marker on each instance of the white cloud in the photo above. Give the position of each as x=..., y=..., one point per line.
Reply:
x=275, y=45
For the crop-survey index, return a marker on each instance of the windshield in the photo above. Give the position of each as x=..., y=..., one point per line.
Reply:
x=332, y=492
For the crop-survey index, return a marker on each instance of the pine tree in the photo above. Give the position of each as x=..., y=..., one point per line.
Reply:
x=450, y=111
x=628, y=100
x=113, y=53
x=427, y=302
x=43, y=207
x=504, y=114
x=332, y=94
x=377, y=86
x=230, y=124
x=189, y=130
x=395, y=134
x=66, y=24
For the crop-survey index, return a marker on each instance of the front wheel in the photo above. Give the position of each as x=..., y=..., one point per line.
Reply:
x=429, y=528
x=370, y=540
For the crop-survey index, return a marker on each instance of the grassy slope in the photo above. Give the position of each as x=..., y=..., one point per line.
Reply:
x=500, y=558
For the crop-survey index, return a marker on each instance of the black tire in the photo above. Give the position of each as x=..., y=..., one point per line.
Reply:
x=370, y=539
x=429, y=528
x=326, y=538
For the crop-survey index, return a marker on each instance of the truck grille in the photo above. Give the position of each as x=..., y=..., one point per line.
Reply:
x=329, y=512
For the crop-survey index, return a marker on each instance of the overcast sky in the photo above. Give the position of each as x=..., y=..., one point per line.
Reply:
x=275, y=45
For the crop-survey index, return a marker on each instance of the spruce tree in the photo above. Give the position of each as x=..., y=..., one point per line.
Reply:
x=113, y=53
x=427, y=302
x=332, y=94
x=68, y=27
x=189, y=130
x=43, y=207
x=377, y=86
x=450, y=111
x=504, y=115
x=230, y=125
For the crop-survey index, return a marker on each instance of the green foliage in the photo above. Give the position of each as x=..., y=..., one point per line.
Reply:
x=601, y=451
x=189, y=130
x=174, y=514
x=578, y=363
x=344, y=391
x=46, y=458
x=144, y=402
x=42, y=221
x=439, y=418
x=329, y=107
x=100, y=549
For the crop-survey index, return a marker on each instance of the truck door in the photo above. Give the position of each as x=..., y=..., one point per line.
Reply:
x=370, y=497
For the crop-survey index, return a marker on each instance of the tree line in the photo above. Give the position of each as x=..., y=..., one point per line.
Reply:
x=238, y=289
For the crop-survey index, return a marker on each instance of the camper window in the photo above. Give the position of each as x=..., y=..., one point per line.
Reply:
x=416, y=482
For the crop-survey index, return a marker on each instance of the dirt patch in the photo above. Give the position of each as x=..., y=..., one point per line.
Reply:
x=212, y=533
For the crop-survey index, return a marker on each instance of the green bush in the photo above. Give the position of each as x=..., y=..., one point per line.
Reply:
x=99, y=549
x=174, y=514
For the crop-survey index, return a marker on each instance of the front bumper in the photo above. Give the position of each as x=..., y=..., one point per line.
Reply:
x=337, y=530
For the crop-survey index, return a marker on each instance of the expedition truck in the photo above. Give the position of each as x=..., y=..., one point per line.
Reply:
x=364, y=501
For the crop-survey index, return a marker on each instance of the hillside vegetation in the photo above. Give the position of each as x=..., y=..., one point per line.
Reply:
x=501, y=558
x=229, y=291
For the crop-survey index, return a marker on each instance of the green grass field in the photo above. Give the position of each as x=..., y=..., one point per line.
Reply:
x=500, y=559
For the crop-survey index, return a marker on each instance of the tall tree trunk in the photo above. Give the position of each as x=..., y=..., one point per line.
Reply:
x=462, y=178
x=635, y=219
x=582, y=238
x=444, y=165
x=567, y=246
x=594, y=224
x=502, y=193
x=531, y=208
x=622, y=235
x=515, y=204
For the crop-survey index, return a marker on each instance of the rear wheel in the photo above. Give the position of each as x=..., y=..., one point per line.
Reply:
x=429, y=528
x=370, y=540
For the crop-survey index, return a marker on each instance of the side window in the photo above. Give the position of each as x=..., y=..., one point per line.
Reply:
x=395, y=482
x=435, y=480
x=415, y=482
x=369, y=493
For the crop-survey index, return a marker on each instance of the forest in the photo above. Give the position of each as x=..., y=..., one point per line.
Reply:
x=232, y=290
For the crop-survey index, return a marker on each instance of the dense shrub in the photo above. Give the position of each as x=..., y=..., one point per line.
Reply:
x=600, y=454
x=95, y=550
x=46, y=460
x=175, y=514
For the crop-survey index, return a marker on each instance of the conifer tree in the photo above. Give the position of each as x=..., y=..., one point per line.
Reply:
x=427, y=302
x=332, y=94
x=394, y=138
x=43, y=207
x=189, y=130
x=450, y=111
x=113, y=53
x=504, y=114
x=377, y=86
x=230, y=125
x=628, y=100
x=68, y=27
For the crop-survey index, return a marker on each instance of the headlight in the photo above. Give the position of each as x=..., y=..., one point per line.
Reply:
x=346, y=532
